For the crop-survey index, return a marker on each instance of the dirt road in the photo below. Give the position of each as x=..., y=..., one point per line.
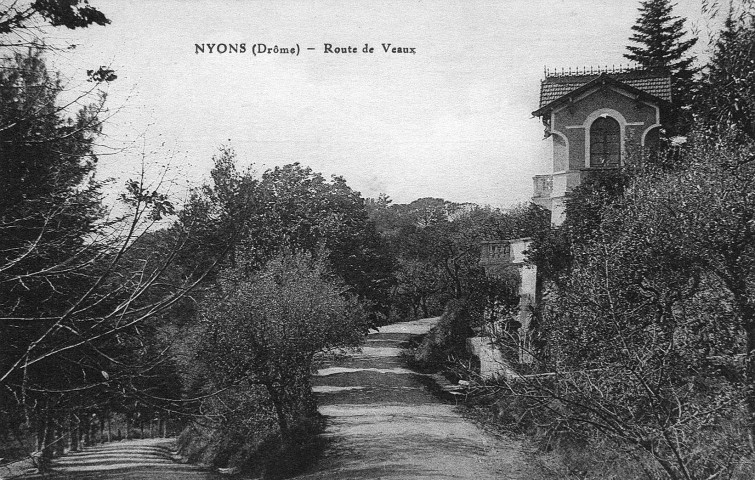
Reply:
x=148, y=459
x=383, y=423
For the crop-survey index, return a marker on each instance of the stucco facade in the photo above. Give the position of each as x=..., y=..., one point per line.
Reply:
x=631, y=102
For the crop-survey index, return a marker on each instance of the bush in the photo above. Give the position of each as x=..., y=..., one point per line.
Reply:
x=447, y=340
x=259, y=335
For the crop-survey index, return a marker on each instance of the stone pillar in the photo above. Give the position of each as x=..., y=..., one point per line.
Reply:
x=527, y=295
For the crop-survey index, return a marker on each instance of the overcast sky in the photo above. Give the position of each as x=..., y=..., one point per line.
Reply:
x=452, y=120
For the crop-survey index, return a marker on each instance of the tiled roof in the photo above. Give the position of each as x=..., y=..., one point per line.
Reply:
x=653, y=83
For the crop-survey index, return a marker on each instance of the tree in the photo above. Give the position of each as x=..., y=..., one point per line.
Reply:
x=291, y=208
x=268, y=327
x=648, y=318
x=22, y=19
x=715, y=209
x=305, y=212
x=73, y=289
x=436, y=247
x=650, y=325
x=660, y=45
x=552, y=249
x=727, y=96
x=220, y=214
x=49, y=206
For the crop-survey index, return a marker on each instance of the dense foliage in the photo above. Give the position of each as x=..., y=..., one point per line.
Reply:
x=299, y=270
x=247, y=220
x=74, y=287
x=266, y=329
x=648, y=310
x=436, y=246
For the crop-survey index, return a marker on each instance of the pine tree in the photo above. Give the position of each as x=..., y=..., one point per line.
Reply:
x=660, y=45
x=727, y=95
x=49, y=210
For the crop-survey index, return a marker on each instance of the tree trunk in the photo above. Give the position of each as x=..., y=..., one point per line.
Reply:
x=750, y=375
x=275, y=397
x=86, y=430
x=60, y=442
x=40, y=436
x=74, y=433
x=48, y=437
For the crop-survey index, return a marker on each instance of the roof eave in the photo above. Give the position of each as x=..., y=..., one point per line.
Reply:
x=601, y=80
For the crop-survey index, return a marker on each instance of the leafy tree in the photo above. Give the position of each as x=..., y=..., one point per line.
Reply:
x=268, y=327
x=290, y=208
x=660, y=44
x=419, y=287
x=652, y=311
x=428, y=262
x=715, y=209
x=436, y=246
x=628, y=363
x=586, y=205
x=308, y=213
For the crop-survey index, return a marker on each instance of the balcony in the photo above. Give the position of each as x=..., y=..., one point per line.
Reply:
x=498, y=256
x=543, y=186
x=495, y=253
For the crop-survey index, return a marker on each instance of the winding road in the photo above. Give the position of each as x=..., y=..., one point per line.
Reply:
x=383, y=422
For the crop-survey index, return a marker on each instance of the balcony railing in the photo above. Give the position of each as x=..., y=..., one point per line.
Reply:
x=495, y=253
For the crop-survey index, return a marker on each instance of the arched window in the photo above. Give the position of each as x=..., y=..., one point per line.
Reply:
x=605, y=143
